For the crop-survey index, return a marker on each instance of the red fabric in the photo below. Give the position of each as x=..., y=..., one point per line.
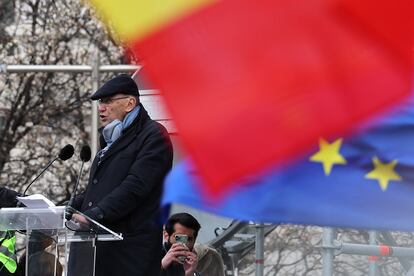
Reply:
x=390, y=23
x=385, y=250
x=251, y=83
x=373, y=258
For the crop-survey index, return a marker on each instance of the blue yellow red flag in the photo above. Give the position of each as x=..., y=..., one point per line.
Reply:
x=249, y=83
x=362, y=181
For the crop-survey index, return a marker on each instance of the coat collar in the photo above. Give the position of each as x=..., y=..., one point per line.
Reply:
x=128, y=135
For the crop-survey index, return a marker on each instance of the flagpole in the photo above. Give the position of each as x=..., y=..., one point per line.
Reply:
x=259, y=249
x=94, y=104
x=373, y=266
x=328, y=251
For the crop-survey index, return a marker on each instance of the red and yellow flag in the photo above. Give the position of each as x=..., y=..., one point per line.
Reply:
x=251, y=83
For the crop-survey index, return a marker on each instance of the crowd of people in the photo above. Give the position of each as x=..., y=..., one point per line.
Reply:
x=124, y=192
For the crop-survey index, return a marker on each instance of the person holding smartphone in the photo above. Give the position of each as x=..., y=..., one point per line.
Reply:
x=180, y=233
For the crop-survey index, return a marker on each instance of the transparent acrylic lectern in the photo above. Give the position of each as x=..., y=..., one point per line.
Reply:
x=53, y=245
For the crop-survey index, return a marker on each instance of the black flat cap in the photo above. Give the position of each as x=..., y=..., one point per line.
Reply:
x=121, y=84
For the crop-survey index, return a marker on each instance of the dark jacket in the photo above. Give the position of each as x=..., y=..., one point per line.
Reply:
x=8, y=198
x=174, y=269
x=124, y=193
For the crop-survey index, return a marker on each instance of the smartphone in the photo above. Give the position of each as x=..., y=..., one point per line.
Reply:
x=181, y=238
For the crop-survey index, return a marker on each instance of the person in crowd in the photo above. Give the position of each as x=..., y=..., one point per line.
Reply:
x=8, y=197
x=125, y=183
x=40, y=261
x=210, y=262
x=180, y=234
x=8, y=258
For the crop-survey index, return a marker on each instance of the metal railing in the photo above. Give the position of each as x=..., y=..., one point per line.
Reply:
x=95, y=69
x=332, y=247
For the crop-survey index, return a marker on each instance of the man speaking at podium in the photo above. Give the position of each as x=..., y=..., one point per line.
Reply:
x=125, y=182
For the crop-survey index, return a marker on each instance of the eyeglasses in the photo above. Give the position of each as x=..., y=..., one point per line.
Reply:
x=110, y=100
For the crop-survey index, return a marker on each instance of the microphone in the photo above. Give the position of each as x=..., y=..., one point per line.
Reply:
x=65, y=153
x=85, y=156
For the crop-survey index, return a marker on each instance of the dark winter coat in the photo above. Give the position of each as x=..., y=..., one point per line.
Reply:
x=123, y=194
x=8, y=198
x=175, y=269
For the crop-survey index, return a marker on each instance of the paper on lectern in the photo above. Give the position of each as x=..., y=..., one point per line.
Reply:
x=36, y=201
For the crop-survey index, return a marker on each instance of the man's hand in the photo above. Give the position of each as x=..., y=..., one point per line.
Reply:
x=176, y=250
x=83, y=222
x=190, y=263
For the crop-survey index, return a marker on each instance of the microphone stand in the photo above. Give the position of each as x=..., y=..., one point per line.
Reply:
x=39, y=175
x=69, y=213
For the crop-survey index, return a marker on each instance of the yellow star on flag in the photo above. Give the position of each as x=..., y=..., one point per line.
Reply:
x=329, y=155
x=383, y=172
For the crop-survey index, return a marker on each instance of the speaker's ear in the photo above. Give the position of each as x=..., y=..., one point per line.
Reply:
x=132, y=103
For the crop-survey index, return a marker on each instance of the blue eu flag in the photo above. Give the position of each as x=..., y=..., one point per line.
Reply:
x=363, y=181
